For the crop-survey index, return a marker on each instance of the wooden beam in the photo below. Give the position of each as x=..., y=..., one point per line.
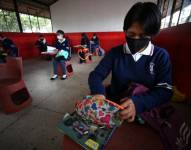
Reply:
x=17, y=15
x=41, y=3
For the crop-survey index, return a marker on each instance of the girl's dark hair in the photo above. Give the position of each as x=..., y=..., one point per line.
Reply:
x=84, y=35
x=146, y=14
x=60, y=32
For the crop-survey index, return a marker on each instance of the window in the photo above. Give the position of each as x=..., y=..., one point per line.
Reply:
x=185, y=15
x=25, y=21
x=3, y=25
x=165, y=14
x=165, y=22
x=165, y=8
x=8, y=21
x=45, y=24
x=33, y=16
x=176, y=12
x=32, y=23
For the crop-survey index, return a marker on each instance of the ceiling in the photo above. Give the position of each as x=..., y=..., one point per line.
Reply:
x=33, y=7
x=43, y=2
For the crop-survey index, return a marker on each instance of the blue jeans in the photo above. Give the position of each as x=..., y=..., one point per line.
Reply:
x=13, y=52
x=55, y=66
x=94, y=47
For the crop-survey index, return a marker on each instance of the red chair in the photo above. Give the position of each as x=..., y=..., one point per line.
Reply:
x=14, y=95
x=69, y=69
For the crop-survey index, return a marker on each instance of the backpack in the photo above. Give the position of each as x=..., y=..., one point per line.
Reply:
x=175, y=133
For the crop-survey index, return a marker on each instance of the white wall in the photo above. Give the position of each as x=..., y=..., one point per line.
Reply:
x=90, y=15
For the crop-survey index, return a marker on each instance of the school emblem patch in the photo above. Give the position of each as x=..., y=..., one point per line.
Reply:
x=151, y=68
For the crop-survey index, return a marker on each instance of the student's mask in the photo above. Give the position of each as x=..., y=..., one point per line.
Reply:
x=136, y=45
x=59, y=37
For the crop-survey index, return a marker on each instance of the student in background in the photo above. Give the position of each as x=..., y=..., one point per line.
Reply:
x=61, y=56
x=95, y=45
x=8, y=46
x=3, y=55
x=85, y=42
x=41, y=44
x=136, y=62
x=84, y=55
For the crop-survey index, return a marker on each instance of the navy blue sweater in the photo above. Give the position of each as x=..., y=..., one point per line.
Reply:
x=125, y=70
x=63, y=46
x=10, y=47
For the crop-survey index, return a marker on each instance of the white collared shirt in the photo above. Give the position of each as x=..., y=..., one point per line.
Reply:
x=62, y=40
x=147, y=51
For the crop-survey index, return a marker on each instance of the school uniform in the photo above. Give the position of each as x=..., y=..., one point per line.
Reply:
x=150, y=68
x=95, y=44
x=86, y=42
x=10, y=47
x=61, y=45
x=96, y=41
x=42, y=46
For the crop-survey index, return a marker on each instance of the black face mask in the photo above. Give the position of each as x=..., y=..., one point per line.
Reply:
x=136, y=45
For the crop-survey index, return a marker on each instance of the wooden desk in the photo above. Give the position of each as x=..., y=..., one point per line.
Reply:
x=130, y=136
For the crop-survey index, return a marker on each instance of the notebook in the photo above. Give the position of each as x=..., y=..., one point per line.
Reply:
x=86, y=134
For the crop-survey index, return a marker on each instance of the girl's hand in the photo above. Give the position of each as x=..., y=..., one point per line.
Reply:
x=129, y=112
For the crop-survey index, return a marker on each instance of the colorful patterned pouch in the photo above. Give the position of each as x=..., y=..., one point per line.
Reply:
x=98, y=111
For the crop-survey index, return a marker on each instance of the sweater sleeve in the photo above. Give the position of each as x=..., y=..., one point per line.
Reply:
x=97, y=76
x=57, y=45
x=67, y=44
x=161, y=92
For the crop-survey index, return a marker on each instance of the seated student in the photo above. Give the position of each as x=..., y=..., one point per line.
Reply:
x=95, y=46
x=9, y=46
x=41, y=44
x=83, y=54
x=95, y=43
x=137, y=61
x=61, y=56
x=3, y=55
x=85, y=42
